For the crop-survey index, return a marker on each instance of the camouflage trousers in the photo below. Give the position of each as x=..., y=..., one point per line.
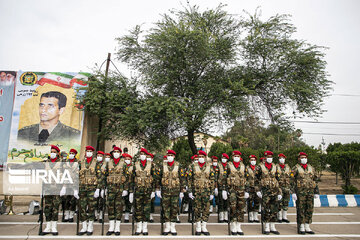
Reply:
x=269, y=205
x=69, y=202
x=152, y=207
x=51, y=207
x=223, y=205
x=87, y=203
x=254, y=202
x=304, y=206
x=237, y=204
x=115, y=203
x=284, y=203
x=170, y=204
x=142, y=204
x=201, y=205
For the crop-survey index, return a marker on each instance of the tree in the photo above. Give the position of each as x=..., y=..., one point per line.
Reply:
x=183, y=151
x=219, y=148
x=216, y=69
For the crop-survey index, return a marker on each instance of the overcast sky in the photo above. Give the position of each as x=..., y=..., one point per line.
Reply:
x=71, y=36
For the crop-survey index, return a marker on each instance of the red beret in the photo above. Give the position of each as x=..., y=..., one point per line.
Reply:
x=195, y=156
x=107, y=154
x=55, y=147
x=171, y=152
x=302, y=154
x=262, y=158
x=100, y=152
x=151, y=155
x=282, y=155
x=144, y=150
x=266, y=153
x=214, y=157
x=201, y=152
x=165, y=157
x=117, y=148
x=236, y=152
x=73, y=151
x=252, y=156
x=125, y=155
x=225, y=155
x=90, y=148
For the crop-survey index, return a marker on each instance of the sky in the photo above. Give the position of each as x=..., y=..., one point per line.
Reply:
x=72, y=36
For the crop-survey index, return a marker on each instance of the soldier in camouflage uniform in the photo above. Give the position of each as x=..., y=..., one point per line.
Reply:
x=91, y=181
x=268, y=189
x=237, y=189
x=216, y=191
x=305, y=189
x=143, y=174
x=150, y=158
x=254, y=201
x=101, y=171
x=117, y=188
x=284, y=173
x=186, y=198
x=221, y=183
x=201, y=181
x=52, y=202
x=170, y=179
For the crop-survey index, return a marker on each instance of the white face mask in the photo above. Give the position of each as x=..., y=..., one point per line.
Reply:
x=214, y=164
x=89, y=154
x=142, y=157
x=269, y=160
x=71, y=156
x=148, y=159
x=127, y=161
x=116, y=155
x=165, y=160
x=224, y=160
x=107, y=159
x=282, y=160
x=196, y=160
x=170, y=158
x=236, y=159
x=201, y=160
x=253, y=163
x=53, y=155
x=303, y=160
x=99, y=158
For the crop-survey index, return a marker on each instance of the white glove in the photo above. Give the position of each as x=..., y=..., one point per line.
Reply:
x=63, y=191
x=102, y=193
x=97, y=192
x=158, y=193
x=76, y=194
x=124, y=193
x=181, y=195
x=316, y=196
x=224, y=194
x=246, y=195
x=131, y=197
x=294, y=197
x=216, y=191
x=105, y=192
x=211, y=197
x=191, y=196
x=152, y=195
x=279, y=197
x=259, y=194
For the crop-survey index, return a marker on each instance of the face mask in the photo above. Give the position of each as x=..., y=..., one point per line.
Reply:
x=224, y=160
x=142, y=157
x=236, y=159
x=89, y=154
x=165, y=160
x=127, y=161
x=170, y=158
x=196, y=161
x=71, y=156
x=52, y=155
x=253, y=163
x=99, y=159
x=214, y=164
x=116, y=155
x=201, y=160
x=107, y=159
x=148, y=159
x=303, y=160
x=269, y=160
x=282, y=160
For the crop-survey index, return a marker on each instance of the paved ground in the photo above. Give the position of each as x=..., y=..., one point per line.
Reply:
x=328, y=223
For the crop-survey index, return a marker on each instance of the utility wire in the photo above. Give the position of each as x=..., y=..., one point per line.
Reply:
x=334, y=134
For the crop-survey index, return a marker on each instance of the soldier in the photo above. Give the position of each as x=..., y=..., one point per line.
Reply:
x=221, y=183
x=91, y=181
x=305, y=189
x=267, y=188
x=284, y=172
x=129, y=166
x=216, y=192
x=170, y=178
x=52, y=202
x=254, y=201
x=143, y=172
x=150, y=157
x=201, y=180
x=117, y=188
x=100, y=172
x=237, y=188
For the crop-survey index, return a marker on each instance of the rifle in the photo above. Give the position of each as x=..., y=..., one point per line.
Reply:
x=41, y=212
x=133, y=214
x=103, y=211
x=248, y=207
x=161, y=217
x=63, y=202
x=229, y=218
x=262, y=216
x=78, y=216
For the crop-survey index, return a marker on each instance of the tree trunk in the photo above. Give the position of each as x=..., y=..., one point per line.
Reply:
x=191, y=141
